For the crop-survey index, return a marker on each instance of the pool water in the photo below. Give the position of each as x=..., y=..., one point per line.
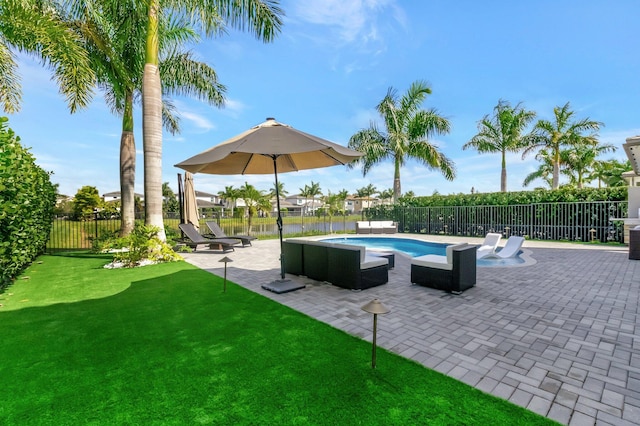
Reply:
x=415, y=248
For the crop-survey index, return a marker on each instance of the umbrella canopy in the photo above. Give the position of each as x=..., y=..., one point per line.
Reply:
x=190, y=202
x=253, y=152
x=270, y=147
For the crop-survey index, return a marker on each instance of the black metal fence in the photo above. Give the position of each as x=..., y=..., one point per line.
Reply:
x=582, y=221
x=70, y=235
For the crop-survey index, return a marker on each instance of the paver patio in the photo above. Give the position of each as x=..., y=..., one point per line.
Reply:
x=558, y=337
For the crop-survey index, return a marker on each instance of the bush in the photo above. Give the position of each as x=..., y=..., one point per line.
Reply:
x=562, y=195
x=27, y=200
x=143, y=244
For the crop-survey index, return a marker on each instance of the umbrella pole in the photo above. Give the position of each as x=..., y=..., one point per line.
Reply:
x=281, y=285
x=279, y=220
x=180, y=196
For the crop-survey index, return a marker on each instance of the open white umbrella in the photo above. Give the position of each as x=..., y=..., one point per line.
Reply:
x=270, y=147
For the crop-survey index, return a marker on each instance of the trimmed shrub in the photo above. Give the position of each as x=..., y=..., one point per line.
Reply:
x=27, y=200
x=561, y=195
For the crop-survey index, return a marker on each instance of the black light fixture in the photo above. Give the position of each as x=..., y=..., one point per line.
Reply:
x=225, y=260
x=375, y=307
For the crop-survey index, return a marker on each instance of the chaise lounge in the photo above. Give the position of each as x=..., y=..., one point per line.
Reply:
x=217, y=232
x=455, y=272
x=489, y=245
x=510, y=249
x=194, y=239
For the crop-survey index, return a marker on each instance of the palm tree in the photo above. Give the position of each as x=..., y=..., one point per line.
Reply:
x=406, y=135
x=553, y=136
x=114, y=34
x=367, y=191
x=387, y=194
x=544, y=170
x=580, y=159
x=261, y=17
x=230, y=194
x=255, y=201
x=314, y=191
x=171, y=203
x=36, y=28
x=610, y=172
x=335, y=205
x=502, y=133
x=279, y=190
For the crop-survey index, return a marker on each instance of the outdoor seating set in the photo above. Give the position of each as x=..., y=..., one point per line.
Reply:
x=343, y=265
x=456, y=270
x=355, y=268
x=376, y=227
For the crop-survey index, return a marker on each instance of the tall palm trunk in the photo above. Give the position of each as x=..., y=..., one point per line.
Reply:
x=397, y=190
x=152, y=126
x=503, y=173
x=127, y=169
x=555, y=182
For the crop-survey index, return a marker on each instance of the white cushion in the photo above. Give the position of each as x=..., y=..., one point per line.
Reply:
x=363, y=224
x=373, y=261
x=376, y=224
x=386, y=223
x=432, y=261
x=449, y=251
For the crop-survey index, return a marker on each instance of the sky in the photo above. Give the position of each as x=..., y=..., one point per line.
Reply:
x=333, y=62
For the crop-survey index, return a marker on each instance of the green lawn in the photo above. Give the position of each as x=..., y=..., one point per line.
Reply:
x=164, y=345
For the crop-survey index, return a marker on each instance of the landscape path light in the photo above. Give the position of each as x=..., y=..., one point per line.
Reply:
x=225, y=260
x=375, y=307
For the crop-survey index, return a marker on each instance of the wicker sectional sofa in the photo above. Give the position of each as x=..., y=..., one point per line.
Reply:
x=454, y=272
x=343, y=265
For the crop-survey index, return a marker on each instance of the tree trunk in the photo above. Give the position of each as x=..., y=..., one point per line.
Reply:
x=555, y=183
x=397, y=190
x=152, y=126
x=127, y=182
x=503, y=174
x=127, y=169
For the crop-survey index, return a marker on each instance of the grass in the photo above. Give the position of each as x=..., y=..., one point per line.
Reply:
x=163, y=344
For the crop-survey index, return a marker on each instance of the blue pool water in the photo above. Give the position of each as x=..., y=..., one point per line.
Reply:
x=415, y=248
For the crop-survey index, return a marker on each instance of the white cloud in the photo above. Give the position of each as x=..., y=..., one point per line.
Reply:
x=354, y=21
x=198, y=120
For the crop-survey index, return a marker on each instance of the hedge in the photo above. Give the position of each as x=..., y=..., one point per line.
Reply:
x=561, y=195
x=27, y=199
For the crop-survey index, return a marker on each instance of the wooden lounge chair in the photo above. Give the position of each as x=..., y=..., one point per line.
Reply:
x=217, y=232
x=194, y=239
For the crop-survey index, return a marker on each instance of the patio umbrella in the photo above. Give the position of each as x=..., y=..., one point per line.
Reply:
x=190, y=202
x=270, y=147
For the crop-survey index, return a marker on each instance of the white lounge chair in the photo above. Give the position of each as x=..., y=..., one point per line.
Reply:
x=489, y=245
x=510, y=249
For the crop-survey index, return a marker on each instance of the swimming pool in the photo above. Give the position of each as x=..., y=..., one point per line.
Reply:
x=415, y=248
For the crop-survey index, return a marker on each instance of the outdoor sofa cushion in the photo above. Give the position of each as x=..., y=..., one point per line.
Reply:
x=454, y=272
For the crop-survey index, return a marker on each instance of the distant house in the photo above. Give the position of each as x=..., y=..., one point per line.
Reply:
x=116, y=196
x=301, y=204
x=204, y=200
x=361, y=203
